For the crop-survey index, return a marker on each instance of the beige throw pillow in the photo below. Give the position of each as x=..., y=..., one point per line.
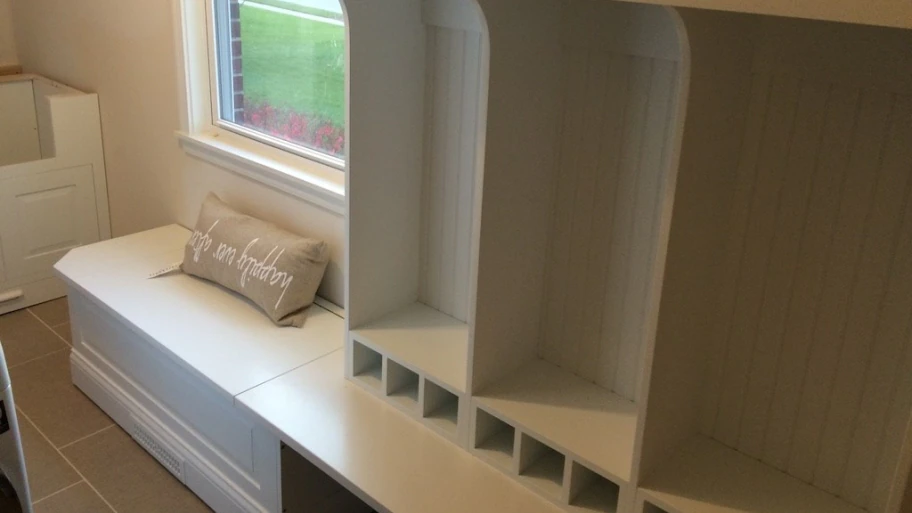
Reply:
x=277, y=270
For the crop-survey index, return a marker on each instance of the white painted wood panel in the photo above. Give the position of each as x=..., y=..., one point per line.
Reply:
x=883, y=386
x=386, y=125
x=793, y=202
x=627, y=29
x=460, y=15
x=704, y=476
x=380, y=455
x=523, y=114
x=768, y=176
x=18, y=123
x=613, y=148
x=813, y=323
x=252, y=349
x=731, y=252
x=603, y=212
x=888, y=13
x=45, y=215
x=438, y=348
x=453, y=90
x=569, y=414
x=113, y=345
x=816, y=239
x=842, y=265
x=44, y=90
x=873, y=271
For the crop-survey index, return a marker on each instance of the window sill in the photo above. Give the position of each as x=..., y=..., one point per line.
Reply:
x=311, y=181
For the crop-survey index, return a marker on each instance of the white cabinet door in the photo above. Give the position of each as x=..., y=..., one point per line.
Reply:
x=43, y=216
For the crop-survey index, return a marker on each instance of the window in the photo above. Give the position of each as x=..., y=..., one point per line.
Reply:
x=280, y=74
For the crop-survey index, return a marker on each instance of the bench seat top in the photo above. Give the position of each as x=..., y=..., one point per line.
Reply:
x=291, y=380
x=212, y=332
x=389, y=460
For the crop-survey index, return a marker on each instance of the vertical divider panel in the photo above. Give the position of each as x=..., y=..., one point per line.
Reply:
x=386, y=55
x=415, y=105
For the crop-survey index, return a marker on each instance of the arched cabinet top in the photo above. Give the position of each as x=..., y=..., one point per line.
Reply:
x=886, y=13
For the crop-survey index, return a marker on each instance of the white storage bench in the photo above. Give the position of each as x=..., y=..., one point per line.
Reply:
x=166, y=357
x=212, y=389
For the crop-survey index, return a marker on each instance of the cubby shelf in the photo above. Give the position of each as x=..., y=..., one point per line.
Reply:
x=368, y=366
x=651, y=508
x=494, y=440
x=590, y=492
x=599, y=497
x=440, y=409
x=569, y=412
x=423, y=338
x=541, y=467
x=402, y=385
x=707, y=477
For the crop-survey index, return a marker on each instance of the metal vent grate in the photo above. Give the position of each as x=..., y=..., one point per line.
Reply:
x=149, y=442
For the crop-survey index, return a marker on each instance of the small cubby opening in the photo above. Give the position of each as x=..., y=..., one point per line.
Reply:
x=584, y=123
x=440, y=407
x=401, y=384
x=494, y=439
x=417, y=117
x=652, y=508
x=542, y=466
x=367, y=365
x=782, y=356
x=590, y=491
x=307, y=488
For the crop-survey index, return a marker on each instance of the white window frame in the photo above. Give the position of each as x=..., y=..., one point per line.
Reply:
x=310, y=175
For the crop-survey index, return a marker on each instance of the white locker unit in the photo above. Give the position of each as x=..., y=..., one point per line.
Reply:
x=586, y=103
x=53, y=194
x=416, y=118
x=779, y=378
x=639, y=256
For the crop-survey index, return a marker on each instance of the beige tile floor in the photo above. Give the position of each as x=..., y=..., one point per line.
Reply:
x=78, y=460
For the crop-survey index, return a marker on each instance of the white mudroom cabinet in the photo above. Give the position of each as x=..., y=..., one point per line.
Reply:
x=53, y=193
x=641, y=257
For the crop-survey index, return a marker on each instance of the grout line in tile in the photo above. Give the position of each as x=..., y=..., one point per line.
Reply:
x=65, y=488
x=48, y=327
x=70, y=463
x=30, y=360
x=74, y=442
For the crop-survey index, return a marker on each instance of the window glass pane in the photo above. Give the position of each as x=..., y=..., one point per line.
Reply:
x=281, y=70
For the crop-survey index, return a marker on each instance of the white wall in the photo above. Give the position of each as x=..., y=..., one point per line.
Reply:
x=7, y=41
x=125, y=51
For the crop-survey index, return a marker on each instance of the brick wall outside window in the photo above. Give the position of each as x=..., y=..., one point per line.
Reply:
x=236, y=53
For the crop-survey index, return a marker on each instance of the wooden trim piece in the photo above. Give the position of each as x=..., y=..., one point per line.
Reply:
x=10, y=69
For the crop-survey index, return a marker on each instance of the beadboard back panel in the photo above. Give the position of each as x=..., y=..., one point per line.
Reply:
x=614, y=147
x=811, y=352
x=454, y=57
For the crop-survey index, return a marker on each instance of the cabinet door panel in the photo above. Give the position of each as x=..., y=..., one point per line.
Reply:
x=43, y=216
